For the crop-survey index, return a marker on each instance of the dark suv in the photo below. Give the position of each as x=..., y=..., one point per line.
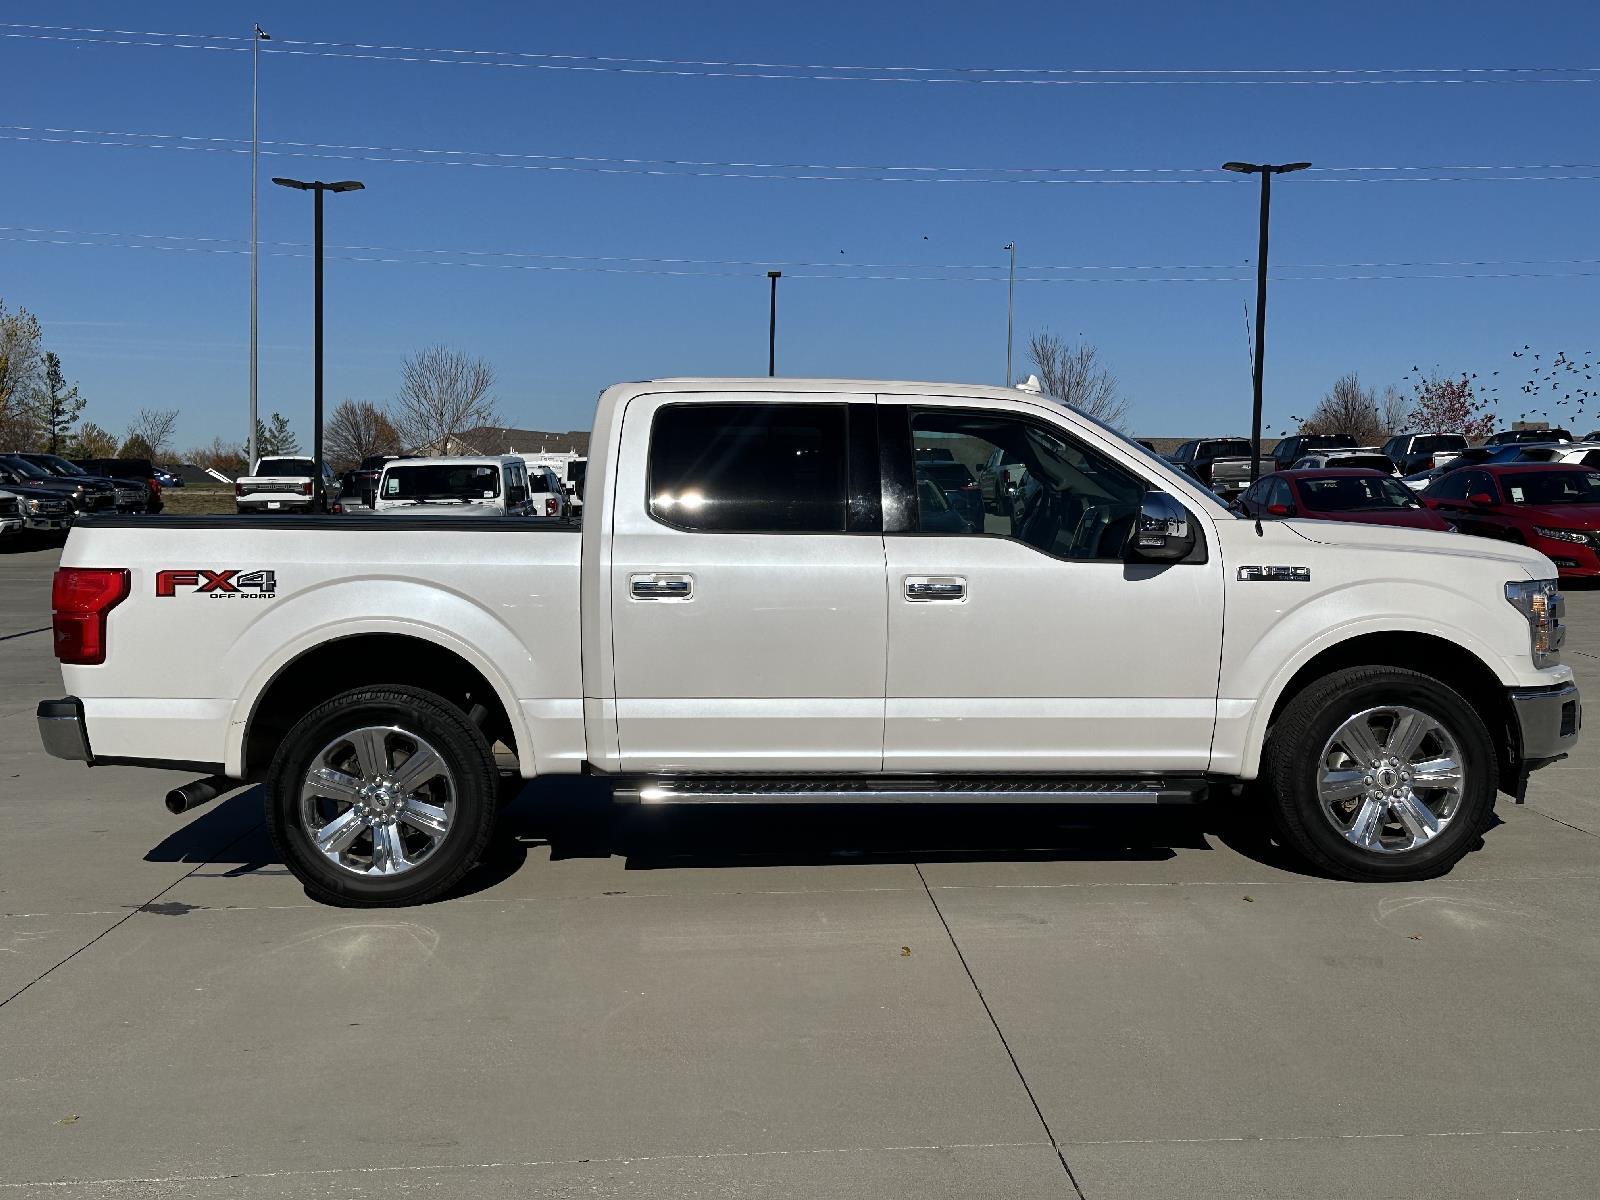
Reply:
x=130, y=495
x=365, y=477
x=1292, y=449
x=139, y=472
x=1413, y=452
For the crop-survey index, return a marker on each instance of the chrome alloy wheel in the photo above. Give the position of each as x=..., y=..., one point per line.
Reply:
x=377, y=801
x=1390, y=779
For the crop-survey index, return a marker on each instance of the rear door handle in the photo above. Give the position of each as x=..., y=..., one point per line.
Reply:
x=658, y=586
x=947, y=588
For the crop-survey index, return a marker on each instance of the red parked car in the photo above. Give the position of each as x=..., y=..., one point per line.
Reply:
x=1339, y=494
x=1552, y=507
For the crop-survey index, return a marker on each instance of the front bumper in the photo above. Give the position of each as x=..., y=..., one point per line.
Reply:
x=10, y=526
x=1548, y=722
x=49, y=524
x=62, y=729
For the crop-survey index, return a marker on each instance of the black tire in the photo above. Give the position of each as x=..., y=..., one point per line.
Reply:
x=1297, y=738
x=459, y=743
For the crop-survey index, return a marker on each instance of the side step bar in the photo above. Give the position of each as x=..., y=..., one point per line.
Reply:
x=912, y=789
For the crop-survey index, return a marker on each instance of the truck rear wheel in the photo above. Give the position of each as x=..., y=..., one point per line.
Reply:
x=382, y=796
x=1380, y=774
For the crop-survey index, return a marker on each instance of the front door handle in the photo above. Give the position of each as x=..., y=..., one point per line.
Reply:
x=946, y=588
x=657, y=586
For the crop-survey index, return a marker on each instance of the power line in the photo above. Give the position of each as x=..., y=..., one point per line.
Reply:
x=858, y=173
x=821, y=72
x=800, y=263
x=668, y=271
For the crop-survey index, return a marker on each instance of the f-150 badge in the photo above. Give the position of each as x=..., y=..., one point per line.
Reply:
x=219, y=585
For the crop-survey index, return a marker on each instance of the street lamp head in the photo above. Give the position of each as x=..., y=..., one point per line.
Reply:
x=347, y=185
x=1241, y=168
x=1287, y=167
x=294, y=183
x=774, y=274
x=1009, y=246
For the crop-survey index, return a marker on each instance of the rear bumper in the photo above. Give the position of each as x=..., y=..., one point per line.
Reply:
x=1548, y=722
x=62, y=729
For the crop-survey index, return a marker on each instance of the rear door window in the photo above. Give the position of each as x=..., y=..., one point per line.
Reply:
x=749, y=467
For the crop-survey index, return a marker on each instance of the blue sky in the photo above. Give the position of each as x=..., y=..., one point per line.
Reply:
x=169, y=328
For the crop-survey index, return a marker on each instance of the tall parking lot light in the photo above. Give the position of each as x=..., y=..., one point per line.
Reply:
x=318, y=187
x=772, y=325
x=1266, y=171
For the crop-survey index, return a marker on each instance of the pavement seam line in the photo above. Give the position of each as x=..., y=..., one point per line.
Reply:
x=1559, y=821
x=1000, y=1033
x=6, y=637
x=131, y=914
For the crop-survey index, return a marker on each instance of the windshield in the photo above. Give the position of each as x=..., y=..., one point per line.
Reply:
x=1356, y=493
x=58, y=465
x=1553, y=487
x=1238, y=448
x=442, y=482
x=1372, y=462
x=26, y=469
x=1147, y=455
x=298, y=468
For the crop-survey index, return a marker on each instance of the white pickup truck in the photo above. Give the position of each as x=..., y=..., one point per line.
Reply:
x=767, y=604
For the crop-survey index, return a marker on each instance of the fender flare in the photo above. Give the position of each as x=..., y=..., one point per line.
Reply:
x=1256, y=731
x=244, y=709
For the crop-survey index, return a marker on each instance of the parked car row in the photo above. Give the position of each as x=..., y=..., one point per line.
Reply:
x=1553, y=507
x=50, y=492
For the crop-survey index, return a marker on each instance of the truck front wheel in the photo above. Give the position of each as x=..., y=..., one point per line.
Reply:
x=382, y=796
x=1380, y=774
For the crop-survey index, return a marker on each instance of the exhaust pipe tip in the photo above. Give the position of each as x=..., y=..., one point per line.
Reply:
x=193, y=795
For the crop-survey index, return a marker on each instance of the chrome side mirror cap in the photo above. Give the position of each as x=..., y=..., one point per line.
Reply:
x=1164, y=531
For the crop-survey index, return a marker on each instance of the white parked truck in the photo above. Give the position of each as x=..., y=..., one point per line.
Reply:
x=763, y=606
x=286, y=483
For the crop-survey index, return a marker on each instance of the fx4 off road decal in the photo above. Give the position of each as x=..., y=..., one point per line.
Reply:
x=219, y=585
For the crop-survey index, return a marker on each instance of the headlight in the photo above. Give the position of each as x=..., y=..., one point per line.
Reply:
x=33, y=506
x=1541, y=602
x=1562, y=535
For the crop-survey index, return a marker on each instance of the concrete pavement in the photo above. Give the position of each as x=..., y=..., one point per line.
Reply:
x=821, y=1003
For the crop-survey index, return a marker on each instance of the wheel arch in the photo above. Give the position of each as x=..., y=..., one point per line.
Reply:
x=1428, y=654
x=302, y=679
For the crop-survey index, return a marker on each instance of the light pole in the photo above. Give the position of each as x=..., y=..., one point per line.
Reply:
x=318, y=187
x=1011, y=290
x=1266, y=171
x=260, y=36
x=772, y=325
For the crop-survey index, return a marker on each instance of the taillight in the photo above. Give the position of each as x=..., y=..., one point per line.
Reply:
x=305, y=488
x=80, y=598
x=1428, y=464
x=155, y=488
x=238, y=489
x=552, y=507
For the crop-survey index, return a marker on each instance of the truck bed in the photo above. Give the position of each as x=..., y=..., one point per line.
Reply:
x=217, y=606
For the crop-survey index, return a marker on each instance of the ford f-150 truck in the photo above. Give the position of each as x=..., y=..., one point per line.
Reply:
x=758, y=608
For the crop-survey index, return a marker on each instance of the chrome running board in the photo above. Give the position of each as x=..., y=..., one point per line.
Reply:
x=910, y=789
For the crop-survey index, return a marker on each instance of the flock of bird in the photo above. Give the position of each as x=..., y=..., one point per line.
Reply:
x=1564, y=383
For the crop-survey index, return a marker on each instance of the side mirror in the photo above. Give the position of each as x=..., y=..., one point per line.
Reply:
x=1164, y=531
x=1480, y=500
x=1280, y=510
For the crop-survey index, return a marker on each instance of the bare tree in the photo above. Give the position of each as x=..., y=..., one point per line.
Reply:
x=443, y=393
x=1395, y=409
x=356, y=429
x=154, y=427
x=1075, y=376
x=1350, y=408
